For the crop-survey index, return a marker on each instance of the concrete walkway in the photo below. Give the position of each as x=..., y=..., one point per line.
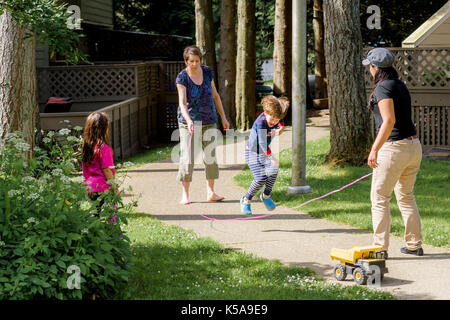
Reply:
x=294, y=238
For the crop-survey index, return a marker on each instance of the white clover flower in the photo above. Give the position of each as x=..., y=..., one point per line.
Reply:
x=66, y=121
x=85, y=205
x=12, y=193
x=22, y=146
x=128, y=164
x=46, y=140
x=31, y=220
x=64, y=131
x=25, y=226
x=28, y=179
x=33, y=196
x=50, y=134
x=78, y=128
x=85, y=230
x=2, y=243
x=78, y=179
x=57, y=172
x=65, y=179
x=72, y=139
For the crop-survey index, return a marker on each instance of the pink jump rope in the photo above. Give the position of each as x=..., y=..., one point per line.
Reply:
x=271, y=214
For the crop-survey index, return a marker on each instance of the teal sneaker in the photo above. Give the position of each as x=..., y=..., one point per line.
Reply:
x=270, y=205
x=245, y=207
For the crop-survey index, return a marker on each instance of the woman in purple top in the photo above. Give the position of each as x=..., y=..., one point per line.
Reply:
x=198, y=101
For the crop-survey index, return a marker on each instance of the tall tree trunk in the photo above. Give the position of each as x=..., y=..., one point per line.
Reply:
x=18, y=96
x=29, y=112
x=246, y=65
x=319, y=54
x=350, y=137
x=282, y=57
x=11, y=56
x=204, y=33
x=227, y=66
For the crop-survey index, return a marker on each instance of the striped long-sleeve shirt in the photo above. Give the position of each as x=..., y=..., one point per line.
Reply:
x=261, y=135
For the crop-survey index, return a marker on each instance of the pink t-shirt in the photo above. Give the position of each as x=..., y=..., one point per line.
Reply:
x=93, y=172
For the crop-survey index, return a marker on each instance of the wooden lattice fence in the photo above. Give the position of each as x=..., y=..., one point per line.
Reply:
x=169, y=113
x=139, y=99
x=98, y=82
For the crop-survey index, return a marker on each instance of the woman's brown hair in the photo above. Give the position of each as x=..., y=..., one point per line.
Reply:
x=388, y=73
x=192, y=50
x=95, y=135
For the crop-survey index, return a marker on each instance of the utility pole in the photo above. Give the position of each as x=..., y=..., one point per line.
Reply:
x=299, y=72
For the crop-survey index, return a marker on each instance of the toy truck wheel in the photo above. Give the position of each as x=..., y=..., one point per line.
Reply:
x=359, y=275
x=339, y=272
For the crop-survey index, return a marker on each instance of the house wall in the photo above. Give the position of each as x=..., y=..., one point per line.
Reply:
x=99, y=12
x=435, y=32
x=439, y=37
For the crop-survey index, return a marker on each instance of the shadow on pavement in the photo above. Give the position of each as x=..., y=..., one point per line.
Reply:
x=167, y=217
x=352, y=231
x=426, y=256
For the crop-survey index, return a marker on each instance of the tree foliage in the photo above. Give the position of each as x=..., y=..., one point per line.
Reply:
x=399, y=19
x=174, y=17
x=177, y=17
x=48, y=19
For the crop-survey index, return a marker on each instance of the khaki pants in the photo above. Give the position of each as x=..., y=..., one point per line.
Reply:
x=187, y=155
x=398, y=165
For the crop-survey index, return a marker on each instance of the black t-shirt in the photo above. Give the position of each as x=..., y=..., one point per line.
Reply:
x=398, y=92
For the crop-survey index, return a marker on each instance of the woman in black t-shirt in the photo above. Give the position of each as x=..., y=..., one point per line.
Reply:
x=395, y=155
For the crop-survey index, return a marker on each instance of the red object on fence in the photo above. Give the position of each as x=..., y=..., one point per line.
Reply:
x=57, y=104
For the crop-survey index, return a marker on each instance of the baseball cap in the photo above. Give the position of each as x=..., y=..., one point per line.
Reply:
x=379, y=57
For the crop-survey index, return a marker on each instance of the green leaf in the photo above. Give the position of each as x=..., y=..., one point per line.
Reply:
x=18, y=251
x=61, y=264
x=74, y=236
x=106, y=247
x=53, y=269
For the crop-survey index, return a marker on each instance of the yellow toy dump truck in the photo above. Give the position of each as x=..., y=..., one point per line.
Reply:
x=361, y=262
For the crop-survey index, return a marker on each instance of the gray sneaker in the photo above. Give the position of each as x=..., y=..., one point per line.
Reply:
x=417, y=252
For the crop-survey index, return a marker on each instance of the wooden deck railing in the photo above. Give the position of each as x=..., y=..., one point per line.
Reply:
x=141, y=100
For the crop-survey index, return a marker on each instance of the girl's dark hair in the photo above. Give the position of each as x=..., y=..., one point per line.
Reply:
x=388, y=73
x=95, y=135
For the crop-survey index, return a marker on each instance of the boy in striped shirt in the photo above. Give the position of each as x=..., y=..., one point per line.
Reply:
x=259, y=157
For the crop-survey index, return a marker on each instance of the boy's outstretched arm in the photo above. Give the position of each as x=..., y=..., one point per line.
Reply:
x=280, y=129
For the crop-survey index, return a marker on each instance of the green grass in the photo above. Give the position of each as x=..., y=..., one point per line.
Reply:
x=157, y=152
x=352, y=205
x=172, y=263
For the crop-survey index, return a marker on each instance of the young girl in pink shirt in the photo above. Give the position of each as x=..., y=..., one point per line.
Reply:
x=97, y=157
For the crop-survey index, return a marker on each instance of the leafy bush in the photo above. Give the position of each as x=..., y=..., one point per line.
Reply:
x=48, y=233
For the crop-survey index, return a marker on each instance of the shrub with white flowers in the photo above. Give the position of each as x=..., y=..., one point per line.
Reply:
x=47, y=225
